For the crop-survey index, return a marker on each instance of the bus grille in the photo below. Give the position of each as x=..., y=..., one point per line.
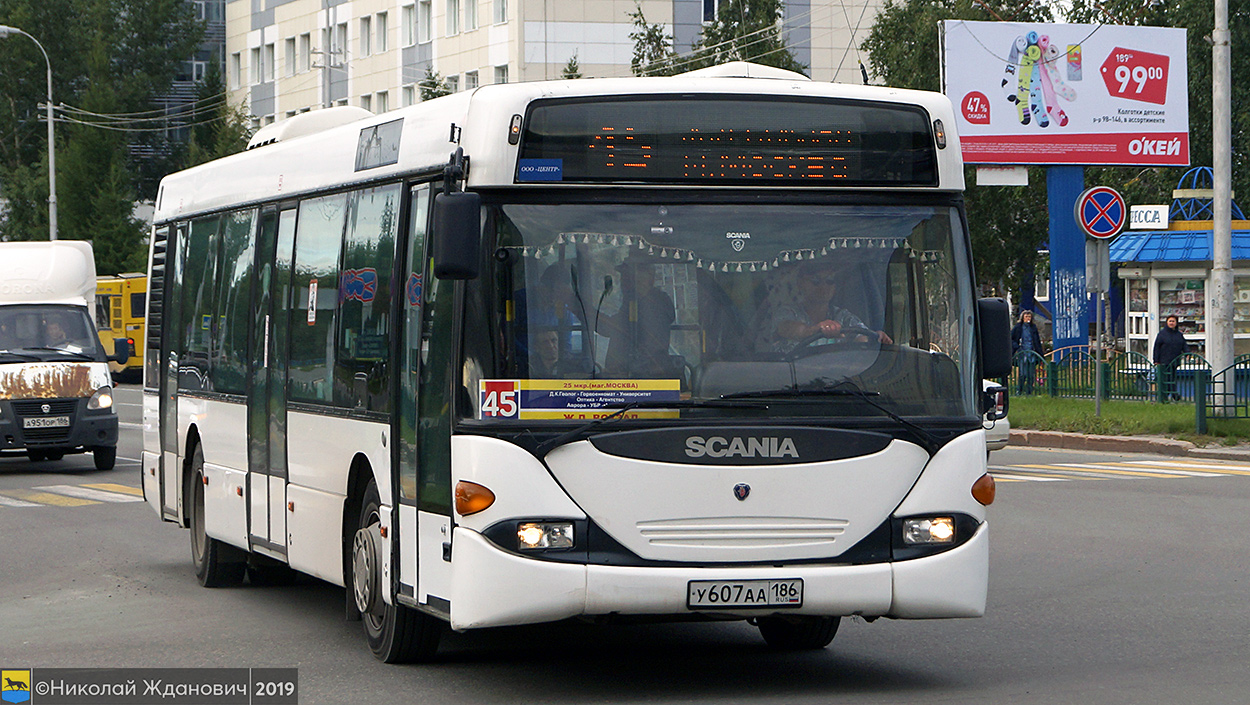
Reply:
x=743, y=532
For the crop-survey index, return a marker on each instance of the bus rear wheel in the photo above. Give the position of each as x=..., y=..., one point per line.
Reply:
x=396, y=634
x=798, y=633
x=217, y=564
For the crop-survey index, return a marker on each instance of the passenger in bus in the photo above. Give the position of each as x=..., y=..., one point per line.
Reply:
x=811, y=315
x=552, y=308
x=545, y=364
x=640, y=330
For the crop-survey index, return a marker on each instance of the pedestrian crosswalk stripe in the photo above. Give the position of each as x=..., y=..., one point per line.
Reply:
x=1230, y=469
x=1113, y=471
x=1031, y=474
x=10, y=502
x=114, y=487
x=89, y=493
x=1009, y=477
x=1168, y=470
x=58, y=500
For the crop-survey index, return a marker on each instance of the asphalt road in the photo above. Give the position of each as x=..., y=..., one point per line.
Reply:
x=1122, y=581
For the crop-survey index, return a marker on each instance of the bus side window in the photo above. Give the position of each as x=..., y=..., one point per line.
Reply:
x=362, y=373
x=318, y=239
x=200, y=273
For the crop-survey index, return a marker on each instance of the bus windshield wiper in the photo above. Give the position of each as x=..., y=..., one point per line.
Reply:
x=844, y=388
x=623, y=407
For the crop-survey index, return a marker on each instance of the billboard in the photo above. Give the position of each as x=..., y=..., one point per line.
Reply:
x=1027, y=93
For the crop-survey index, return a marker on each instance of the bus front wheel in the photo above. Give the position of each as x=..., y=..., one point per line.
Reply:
x=396, y=634
x=217, y=564
x=798, y=633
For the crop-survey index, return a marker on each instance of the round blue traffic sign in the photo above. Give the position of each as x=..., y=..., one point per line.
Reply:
x=1101, y=213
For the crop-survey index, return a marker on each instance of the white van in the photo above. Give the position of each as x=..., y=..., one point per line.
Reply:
x=56, y=395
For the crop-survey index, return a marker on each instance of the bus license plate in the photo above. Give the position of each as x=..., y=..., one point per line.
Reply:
x=702, y=594
x=46, y=422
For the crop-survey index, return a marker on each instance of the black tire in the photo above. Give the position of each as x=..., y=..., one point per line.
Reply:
x=104, y=458
x=798, y=633
x=36, y=456
x=217, y=564
x=396, y=634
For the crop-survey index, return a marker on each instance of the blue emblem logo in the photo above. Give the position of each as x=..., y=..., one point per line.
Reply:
x=742, y=491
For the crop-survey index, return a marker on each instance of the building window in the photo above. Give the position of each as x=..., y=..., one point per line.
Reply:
x=289, y=65
x=453, y=83
x=453, y=17
x=366, y=101
x=470, y=80
x=268, y=63
x=305, y=51
x=340, y=45
x=366, y=36
x=709, y=10
x=253, y=68
x=501, y=74
x=470, y=14
x=408, y=25
x=382, y=101
x=425, y=20
x=501, y=11
x=410, y=95
x=235, y=71
x=382, y=28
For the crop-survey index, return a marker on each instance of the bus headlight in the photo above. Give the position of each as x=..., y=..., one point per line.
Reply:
x=929, y=530
x=102, y=399
x=534, y=535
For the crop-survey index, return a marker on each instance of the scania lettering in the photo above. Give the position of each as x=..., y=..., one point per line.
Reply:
x=700, y=347
x=56, y=396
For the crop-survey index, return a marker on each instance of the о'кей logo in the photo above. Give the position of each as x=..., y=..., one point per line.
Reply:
x=15, y=686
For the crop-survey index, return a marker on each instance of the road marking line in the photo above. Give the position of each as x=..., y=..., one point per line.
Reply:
x=10, y=502
x=1103, y=468
x=1012, y=477
x=1233, y=469
x=112, y=487
x=58, y=500
x=1169, y=470
x=1075, y=472
x=128, y=424
x=1032, y=473
x=88, y=493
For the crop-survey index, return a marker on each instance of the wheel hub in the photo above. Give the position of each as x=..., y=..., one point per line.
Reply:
x=366, y=569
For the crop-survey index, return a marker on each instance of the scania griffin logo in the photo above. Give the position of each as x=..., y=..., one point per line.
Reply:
x=741, y=491
x=719, y=447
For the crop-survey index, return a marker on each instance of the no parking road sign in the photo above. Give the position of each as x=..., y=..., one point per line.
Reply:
x=1101, y=213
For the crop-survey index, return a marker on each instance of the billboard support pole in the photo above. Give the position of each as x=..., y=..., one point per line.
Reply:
x=1069, y=301
x=1220, y=298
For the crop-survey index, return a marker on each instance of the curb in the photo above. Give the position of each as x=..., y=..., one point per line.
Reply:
x=1123, y=444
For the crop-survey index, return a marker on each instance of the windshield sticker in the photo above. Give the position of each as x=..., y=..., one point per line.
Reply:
x=541, y=170
x=573, y=399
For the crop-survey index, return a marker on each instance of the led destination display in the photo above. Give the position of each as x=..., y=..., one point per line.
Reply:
x=727, y=140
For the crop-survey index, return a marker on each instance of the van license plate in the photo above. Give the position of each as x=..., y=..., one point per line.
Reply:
x=46, y=422
x=704, y=594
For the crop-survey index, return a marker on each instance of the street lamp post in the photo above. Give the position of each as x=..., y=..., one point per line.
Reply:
x=5, y=31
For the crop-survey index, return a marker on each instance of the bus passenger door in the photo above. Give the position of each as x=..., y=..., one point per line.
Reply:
x=171, y=347
x=423, y=480
x=266, y=390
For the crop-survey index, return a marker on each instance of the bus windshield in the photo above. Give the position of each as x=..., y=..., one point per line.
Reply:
x=596, y=305
x=47, y=333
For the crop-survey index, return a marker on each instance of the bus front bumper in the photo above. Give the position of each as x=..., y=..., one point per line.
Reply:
x=491, y=587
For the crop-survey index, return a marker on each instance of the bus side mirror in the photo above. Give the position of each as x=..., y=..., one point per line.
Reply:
x=123, y=349
x=994, y=317
x=457, y=235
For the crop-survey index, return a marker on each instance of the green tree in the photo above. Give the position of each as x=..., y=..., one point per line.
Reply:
x=433, y=85
x=572, y=69
x=653, y=48
x=218, y=128
x=746, y=30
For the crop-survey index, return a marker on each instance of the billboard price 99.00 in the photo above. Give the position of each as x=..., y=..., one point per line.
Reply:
x=1067, y=93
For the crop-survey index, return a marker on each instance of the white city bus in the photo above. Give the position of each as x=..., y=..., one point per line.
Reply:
x=693, y=347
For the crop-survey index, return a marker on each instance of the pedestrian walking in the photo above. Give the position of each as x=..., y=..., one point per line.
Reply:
x=1024, y=336
x=1170, y=344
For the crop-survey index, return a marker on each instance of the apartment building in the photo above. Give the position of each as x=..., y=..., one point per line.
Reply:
x=284, y=57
